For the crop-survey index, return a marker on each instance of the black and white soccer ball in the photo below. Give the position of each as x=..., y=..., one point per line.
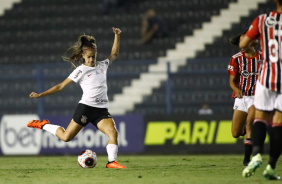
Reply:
x=87, y=159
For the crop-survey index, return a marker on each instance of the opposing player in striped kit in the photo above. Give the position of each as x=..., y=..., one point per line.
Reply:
x=243, y=70
x=268, y=97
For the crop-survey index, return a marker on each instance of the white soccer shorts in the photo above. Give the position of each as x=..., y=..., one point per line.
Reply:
x=243, y=104
x=267, y=100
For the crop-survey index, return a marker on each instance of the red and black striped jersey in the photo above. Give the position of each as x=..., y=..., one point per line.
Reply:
x=246, y=71
x=268, y=27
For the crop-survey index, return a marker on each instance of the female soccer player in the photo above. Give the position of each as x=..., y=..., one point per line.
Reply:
x=268, y=97
x=91, y=75
x=243, y=71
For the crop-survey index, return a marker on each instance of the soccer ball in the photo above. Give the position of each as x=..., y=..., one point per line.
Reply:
x=87, y=159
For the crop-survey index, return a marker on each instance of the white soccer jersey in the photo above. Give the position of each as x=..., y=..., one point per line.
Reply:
x=93, y=81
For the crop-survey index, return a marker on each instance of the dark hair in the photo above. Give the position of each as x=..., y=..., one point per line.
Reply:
x=235, y=40
x=84, y=42
x=280, y=2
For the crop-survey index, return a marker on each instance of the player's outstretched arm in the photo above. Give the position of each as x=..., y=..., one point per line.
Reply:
x=115, y=48
x=52, y=90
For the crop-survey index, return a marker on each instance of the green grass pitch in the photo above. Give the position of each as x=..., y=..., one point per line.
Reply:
x=195, y=169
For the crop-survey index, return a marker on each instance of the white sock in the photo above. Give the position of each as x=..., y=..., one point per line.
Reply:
x=112, y=151
x=51, y=128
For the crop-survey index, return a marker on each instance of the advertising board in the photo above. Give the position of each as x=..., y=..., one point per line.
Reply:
x=18, y=139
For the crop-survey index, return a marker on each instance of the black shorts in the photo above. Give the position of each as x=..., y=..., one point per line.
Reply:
x=85, y=114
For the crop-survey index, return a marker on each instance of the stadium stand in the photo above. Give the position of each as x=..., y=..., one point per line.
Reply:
x=221, y=47
x=36, y=33
x=51, y=26
x=200, y=81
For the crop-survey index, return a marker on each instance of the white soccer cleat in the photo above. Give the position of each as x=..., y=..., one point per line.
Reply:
x=270, y=174
x=252, y=166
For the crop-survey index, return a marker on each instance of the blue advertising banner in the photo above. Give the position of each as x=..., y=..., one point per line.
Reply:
x=17, y=139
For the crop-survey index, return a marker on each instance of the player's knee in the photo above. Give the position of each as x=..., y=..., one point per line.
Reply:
x=66, y=138
x=236, y=134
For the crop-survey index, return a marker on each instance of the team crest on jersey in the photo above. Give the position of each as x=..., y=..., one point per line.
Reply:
x=270, y=22
x=83, y=119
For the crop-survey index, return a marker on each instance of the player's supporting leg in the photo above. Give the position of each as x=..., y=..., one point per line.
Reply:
x=258, y=137
x=248, y=151
x=238, y=123
x=65, y=135
x=275, y=147
x=107, y=126
x=248, y=140
x=238, y=126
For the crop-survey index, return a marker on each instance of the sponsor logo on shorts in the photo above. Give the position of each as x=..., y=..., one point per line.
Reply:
x=83, y=119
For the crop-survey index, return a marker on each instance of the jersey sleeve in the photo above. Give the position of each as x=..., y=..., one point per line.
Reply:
x=232, y=67
x=76, y=74
x=253, y=32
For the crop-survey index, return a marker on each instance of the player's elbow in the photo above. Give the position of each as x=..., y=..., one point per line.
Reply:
x=114, y=55
x=242, y=45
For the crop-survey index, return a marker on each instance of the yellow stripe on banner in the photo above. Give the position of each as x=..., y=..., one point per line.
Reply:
x=224, y=135
x=158, y=132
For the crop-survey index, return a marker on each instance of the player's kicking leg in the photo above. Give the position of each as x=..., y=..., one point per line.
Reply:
x=37, y=123
x=65, y=135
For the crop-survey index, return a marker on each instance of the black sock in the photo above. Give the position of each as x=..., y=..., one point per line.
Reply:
x=248, y=151
x=275, y=145
x=258, y=136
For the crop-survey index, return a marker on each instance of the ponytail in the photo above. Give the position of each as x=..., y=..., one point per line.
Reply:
x=84, y=42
